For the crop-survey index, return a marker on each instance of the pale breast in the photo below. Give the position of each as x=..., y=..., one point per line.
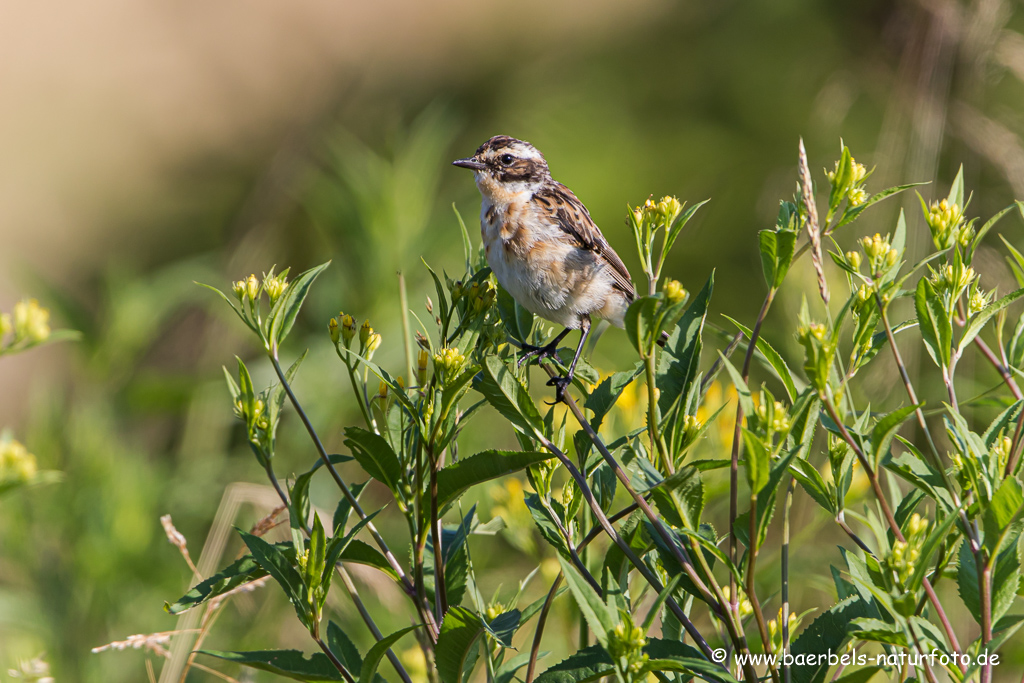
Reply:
x=540, y=266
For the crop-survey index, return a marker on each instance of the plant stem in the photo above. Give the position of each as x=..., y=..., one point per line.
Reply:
x=985, y=584
x=734, y=495
x=406, y=584
x=334, y=660
x=657, y=438
x=751, y=564
x=440, y=589
x=787, y=674
x=1000, y=367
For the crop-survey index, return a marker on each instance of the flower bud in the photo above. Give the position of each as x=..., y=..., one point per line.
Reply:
x=674, y=292
x=448, y=363
x=31, y=321
x=372, y=344
x=332, y=328
x=348, y=327
x=274, y=286
x=238, y=287
x=252, y=288
x=854, y=259
x=364, y=333
x=421, y=366
x=857, y=196
x=16, y=463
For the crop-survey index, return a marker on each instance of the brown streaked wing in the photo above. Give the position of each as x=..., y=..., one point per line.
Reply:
x=572, y=216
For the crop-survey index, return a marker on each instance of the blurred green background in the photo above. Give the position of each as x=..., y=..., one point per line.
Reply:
x=147, y=145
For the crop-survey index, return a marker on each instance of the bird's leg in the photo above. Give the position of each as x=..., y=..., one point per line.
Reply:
x=562, y=383
x=546, y=351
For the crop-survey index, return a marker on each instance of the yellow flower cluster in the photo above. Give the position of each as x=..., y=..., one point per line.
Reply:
x=250, y=288
x=881, y=255
x=626, y=643
x=945, y=221
x=905, y=554
x=30, y=324
x=674, y=292
x=16, y=463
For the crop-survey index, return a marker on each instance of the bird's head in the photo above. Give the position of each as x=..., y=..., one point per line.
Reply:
x=505, y=166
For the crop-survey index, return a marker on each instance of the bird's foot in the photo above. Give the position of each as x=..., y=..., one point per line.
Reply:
x=560, y=384
x=541, y=352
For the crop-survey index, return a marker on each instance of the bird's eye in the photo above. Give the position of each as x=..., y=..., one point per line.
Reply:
x=507, y=159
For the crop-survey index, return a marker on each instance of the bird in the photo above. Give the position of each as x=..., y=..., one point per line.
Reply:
x=544, y=248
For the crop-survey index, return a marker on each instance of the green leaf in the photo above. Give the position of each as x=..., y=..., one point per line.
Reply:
x=345, y=650
x=678, y=366
x=588, y=664
x=504, y=626
x=853, y=213
x=456, y=478
x=1005, y=579
x=507, y=671
x=358, y=552
x=810, y=479
x=282, y=315
x=878, y=631
x=508, y=396
x=742, y=391
x=989, y=224
x=758, y=461
x=240, y=571
x=827, y=632
x=459, y=630
x=885, y=430
x=596, y=613
x=936, y=329
x=672, y=655
x=938, y=536
x=685, y=487
x=289, y=663
x=517, y=320
x=640, y=323
x=956, y=190
x=774, y=359
x=377, y=652
x=1002, y=516
x=978, y=321
x=602, y=399
x=278, y=565
x=777, y=249
x=376, y=456
x=659, y=602
x=344, y=508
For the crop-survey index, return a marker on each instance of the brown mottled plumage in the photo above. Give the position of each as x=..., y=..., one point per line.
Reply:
x=543, y=246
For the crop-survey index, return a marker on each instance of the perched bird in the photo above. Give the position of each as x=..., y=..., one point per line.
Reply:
x=543, y=246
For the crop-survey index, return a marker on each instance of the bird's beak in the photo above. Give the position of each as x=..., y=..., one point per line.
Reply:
x=469, y=163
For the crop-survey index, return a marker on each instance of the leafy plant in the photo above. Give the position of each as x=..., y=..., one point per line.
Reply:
x=642, y=491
